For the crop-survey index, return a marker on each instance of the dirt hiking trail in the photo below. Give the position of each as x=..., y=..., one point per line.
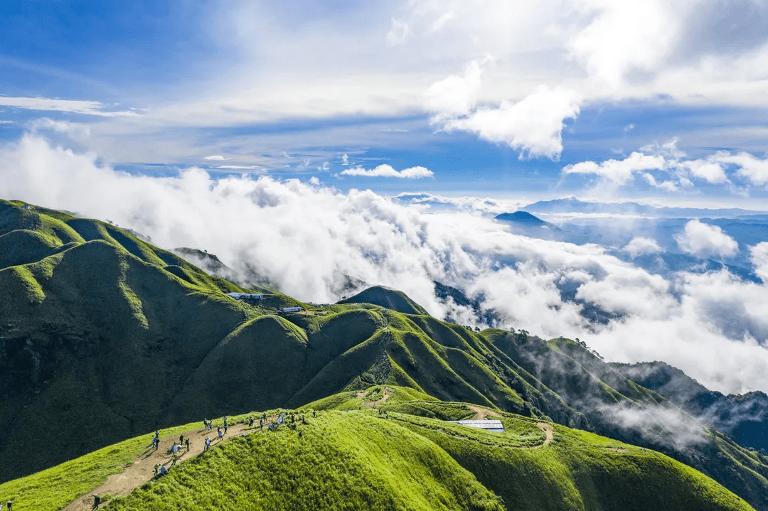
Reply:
x=141, y=471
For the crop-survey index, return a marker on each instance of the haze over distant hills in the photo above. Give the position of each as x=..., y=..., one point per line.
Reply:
x=572, y=205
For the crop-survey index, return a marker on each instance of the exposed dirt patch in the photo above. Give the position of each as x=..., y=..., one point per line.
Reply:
x=549, y=433
x=386, y=393
x=481, y=412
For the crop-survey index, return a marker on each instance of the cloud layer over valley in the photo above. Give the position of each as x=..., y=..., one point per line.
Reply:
x=310, y=239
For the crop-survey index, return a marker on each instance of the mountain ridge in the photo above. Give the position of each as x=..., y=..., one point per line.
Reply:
x=103, y=304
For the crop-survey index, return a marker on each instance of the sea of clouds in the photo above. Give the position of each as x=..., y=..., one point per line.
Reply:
x=309, y=239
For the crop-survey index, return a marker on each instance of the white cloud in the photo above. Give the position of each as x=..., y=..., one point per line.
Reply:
x=759, y=254
x=618, y=171
x=532, y=125
x=82, y=107
x=713, y=326
x=667, y=160
x=457, y=94
x=706, y=240
x=216, y=157
x=640, y=245
x=754, y=169
x=385, y=170
x=709, y=171
x=623, y=37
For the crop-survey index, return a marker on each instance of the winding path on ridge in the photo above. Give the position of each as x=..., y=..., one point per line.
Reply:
x=549, y=433
x=141, y=470
x=481, y=412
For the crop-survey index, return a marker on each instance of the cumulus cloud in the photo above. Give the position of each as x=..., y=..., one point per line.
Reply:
x=759, y=255
x=456, y=94
x=532, y=125
x=625, y=37
x=666, y=167
x=706, y=240
x=713, y=326
x=385, y=170
x=618, y=171
x=640, y=245
x=753, y=169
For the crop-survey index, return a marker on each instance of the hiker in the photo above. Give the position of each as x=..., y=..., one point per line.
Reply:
x=181, y=439
x=175, y=448
x=163, y=470
x=155, y=470
x=221, y=435
x=156, y=443
x=225, y=428
x=187, y=444
x=96, y=501
x=8, y=505
x=207, y=444
x=226, y=422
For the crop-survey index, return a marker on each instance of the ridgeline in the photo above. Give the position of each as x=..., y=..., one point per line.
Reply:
x=104, y=337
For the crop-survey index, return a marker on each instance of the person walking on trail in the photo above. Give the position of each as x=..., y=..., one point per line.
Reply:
x=181, y=439
x=225, y=428
x=187, y=443
x=207, y=444
x=220, y=433
x=156, y=443
x=8, y=505
x=96, y=502
x=226, y=422
x=154, y=470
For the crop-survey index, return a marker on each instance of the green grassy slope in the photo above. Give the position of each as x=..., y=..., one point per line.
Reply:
x=105, y=336
x=361, y=459
x=389, y=298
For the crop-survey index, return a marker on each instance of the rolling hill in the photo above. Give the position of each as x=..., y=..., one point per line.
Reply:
x=382, y=448
x=105, y=337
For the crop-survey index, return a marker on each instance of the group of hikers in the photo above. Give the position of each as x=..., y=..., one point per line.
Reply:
x=160, y=470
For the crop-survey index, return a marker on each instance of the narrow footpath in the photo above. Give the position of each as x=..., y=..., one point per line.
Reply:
x=141, y=470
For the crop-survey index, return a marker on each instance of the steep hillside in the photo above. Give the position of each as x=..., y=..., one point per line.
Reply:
x=744, y=417
x=368, y=459
x=389, y=298
x=105, y=337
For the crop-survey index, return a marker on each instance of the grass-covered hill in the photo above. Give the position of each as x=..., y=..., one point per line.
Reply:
x=104, y=336
x=387, y=298
x=358, y=452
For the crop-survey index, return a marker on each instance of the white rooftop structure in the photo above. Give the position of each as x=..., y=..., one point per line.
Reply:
x=487, y=424
x=291, y=309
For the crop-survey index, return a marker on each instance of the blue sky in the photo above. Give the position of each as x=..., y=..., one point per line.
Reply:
x=492, y=100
